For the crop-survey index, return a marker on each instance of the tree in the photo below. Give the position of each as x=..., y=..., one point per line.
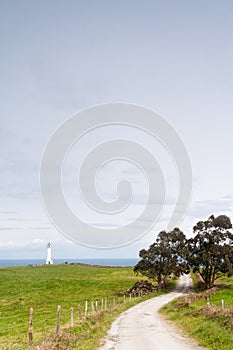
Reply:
x=211, y=248
x=164, y=257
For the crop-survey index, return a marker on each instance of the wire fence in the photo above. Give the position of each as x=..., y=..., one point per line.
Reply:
x=63, y=316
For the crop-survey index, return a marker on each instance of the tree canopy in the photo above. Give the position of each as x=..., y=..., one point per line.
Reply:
x=209, y=252
x=211, y=248
x=164, y=257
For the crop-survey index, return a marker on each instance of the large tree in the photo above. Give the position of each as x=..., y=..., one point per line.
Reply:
x=164, y=257
x=211, y=248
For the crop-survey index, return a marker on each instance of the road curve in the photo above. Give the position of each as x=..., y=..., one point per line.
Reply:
x=141, y=328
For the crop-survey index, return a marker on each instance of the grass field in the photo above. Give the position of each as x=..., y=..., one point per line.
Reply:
x=45, y=287
x=211, y=327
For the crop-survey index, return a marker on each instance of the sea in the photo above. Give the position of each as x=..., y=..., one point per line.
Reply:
x=103, y=262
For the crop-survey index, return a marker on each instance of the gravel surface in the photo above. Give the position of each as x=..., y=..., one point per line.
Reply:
x=141, y=327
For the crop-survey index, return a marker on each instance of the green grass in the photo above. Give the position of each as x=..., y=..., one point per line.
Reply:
x=45, y=287
x=210, y=328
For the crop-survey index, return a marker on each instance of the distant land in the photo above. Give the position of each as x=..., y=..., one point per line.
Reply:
x=99, y=261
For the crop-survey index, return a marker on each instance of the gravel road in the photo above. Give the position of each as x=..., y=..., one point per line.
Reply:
x=141, y=328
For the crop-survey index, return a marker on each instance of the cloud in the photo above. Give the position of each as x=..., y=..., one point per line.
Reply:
x=7, y=244
x=28, y=228
x=38, y=241
x=211, y=206
x=10, y=228
x=103, y=224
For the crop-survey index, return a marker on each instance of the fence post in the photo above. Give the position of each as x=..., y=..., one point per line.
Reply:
x=30, y=331
x=130, y=296
x=86, y=309
x=80, y=313
x=96, y=306
x=222, y=303
x=124, y=299
x=71, y=317
x=102, y=303
x=105, y=304
x=92, y=308
x=58, y=319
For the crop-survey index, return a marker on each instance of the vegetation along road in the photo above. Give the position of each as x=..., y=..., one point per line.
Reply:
x=142, y=328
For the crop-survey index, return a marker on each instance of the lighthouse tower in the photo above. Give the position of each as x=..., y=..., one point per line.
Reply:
x=49, y=260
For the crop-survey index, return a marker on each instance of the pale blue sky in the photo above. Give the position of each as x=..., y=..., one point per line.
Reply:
x=58, y=57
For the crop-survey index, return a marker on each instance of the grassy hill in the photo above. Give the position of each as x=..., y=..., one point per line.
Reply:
x=45, y=287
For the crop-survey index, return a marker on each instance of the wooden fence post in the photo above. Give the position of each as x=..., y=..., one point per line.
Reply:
x=71, y=317
x=105, y=304
x=130, y=297
x=58, y=319
x=222, y=303
x=92, y=308
x=30, y=330
x=86, y=309
x=102, y=303
x=96, y=306
x=124, y=301
x=80, y=313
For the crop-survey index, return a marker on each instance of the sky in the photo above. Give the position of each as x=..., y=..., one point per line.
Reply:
x=60, y=57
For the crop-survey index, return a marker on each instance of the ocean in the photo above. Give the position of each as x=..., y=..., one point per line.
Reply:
x=104, y=262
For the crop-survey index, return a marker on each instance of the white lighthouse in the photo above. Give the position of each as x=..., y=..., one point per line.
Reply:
x=49, y=260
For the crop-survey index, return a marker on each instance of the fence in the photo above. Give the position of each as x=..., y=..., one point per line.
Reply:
x=80, y=313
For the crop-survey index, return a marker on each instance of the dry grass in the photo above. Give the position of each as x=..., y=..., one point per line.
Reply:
x=223, y=316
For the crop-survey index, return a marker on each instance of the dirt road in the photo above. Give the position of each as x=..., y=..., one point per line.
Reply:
x=141, y=328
